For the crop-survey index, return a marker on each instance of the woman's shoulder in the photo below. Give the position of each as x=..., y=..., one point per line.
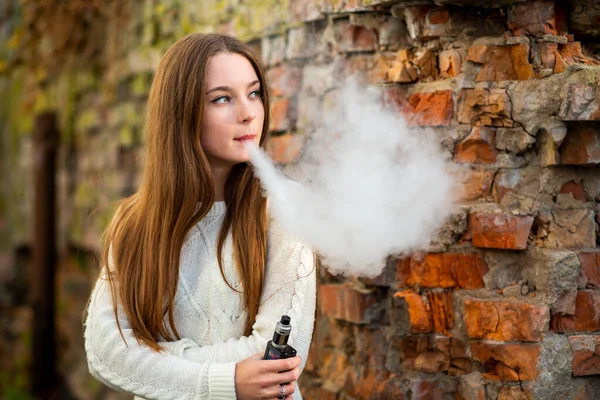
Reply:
x=280, y=231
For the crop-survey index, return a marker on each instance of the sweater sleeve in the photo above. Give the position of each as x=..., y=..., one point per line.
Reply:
x=125, y=364
x=289, y=289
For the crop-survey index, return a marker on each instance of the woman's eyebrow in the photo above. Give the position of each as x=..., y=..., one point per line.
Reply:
x=228, y=89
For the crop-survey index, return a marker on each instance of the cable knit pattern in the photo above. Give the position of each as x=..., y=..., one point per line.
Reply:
x=209, y=317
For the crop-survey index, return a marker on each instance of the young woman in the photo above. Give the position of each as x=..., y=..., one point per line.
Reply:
x=196, y=272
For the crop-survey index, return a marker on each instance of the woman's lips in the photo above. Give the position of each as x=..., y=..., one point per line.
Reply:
x=245, y=137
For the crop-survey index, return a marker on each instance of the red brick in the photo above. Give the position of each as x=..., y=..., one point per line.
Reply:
x=524, y=182
x=313, y=361
x=586, y=355
x=366, y=383
x=425, y=353
x=576, y=189
x=286, y=148
x=478, y=147
x=391, y=388
x=587, y=314
x=569, y=54
x=442, y=314
x=429, y=109
x=431, y=388
x=305, y=10
x=427, y=63
x=460, y=362
x=425, y=22
x=334, y=367
x=395, y=98
x=333, y=333
x=345, y=303
x=499, y=231
x=450, y=63
x=562, y=323
x=489, y=107
x=501, y=63
x=581, y=103
x=475, y=184
x=559, y=64
x=548, y=53
x=581, y=145
x=418, y=310
x=380, y=66
x=432, y=361
x=411, y=347
x=587, y=311
x=355, y=38
x=507, y=362
x=470, y=387
x=515, y=393
x=280, y=115
x=460, y=366
x=324, y=394
x=284, y=81
x=535, y=18
x=370, y=346
x=565, y=304
x=402, y=69
x=392, y=68
x=361, y=67
x=590, y=268
x=443, y=270
x=571, y=228
x=504, y=321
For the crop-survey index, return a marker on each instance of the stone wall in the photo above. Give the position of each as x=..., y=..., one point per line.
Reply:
x=504, y=306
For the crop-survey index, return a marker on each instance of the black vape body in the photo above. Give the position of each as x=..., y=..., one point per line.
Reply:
x=273, y=353
x=277, y=348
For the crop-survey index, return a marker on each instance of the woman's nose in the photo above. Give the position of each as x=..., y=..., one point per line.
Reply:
x=246, y=114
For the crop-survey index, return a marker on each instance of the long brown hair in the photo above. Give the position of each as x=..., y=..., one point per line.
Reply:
x=145, y=237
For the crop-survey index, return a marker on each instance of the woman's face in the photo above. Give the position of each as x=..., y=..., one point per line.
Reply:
x=233, y=112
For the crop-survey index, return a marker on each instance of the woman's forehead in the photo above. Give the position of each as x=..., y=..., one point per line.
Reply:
x=229, y=69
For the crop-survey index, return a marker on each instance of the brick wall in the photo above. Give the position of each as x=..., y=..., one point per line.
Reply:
x=506, y=305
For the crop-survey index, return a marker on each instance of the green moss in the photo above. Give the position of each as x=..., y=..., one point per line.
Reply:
x=85, y=80
x=76, y=227
x=263, y=15
x=15, y=393
x=68, y=109
x=221, y=7
x=133, y=116
x=86, y=121
x=85, y=195
x=160, y=9
x=20, y=121
x=140, y=84
x=105, y=216
x=126, y=136
x=81, y=260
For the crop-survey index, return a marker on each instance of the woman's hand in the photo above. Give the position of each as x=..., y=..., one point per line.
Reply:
x=256, y=378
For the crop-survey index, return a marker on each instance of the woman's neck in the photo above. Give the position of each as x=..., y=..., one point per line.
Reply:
x=220, y=174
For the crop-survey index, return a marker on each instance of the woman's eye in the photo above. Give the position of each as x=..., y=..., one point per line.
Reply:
x=221, y=100
x=255, y=94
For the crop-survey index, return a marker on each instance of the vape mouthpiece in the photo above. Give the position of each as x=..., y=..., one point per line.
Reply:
x=282, y=331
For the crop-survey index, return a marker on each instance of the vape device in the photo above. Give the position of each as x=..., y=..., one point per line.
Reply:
x=278, y=347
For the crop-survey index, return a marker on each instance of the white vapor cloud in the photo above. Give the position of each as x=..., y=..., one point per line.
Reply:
x=365, y=187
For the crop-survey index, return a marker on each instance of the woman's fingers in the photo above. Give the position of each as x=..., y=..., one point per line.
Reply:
x=281, y=365
x=287, y=376
x=288, y=390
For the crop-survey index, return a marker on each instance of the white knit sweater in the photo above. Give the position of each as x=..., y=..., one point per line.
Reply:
x=209, y=316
